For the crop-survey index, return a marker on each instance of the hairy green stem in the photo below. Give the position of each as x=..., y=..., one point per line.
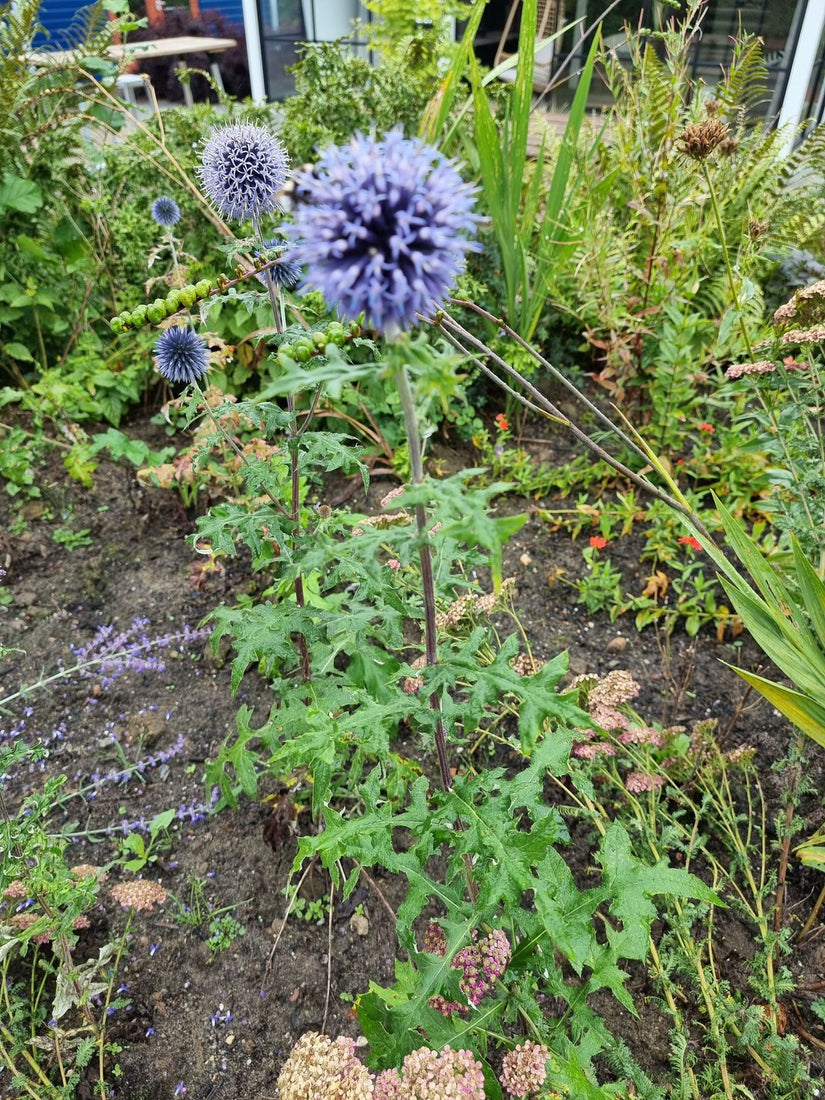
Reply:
x=279, y=314
x=405, y=393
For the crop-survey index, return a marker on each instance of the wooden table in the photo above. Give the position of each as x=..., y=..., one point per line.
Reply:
x=150, y=50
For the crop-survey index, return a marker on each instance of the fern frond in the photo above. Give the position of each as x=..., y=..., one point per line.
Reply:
x=745, y=87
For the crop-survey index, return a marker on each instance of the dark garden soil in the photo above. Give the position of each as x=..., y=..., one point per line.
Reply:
x=222, y=1026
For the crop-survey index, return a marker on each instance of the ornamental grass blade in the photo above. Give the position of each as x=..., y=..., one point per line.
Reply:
x=439, y=107
x=552, y=232
x=812, y=590
x=802, y=663
x=522, y=101
x=801, y=710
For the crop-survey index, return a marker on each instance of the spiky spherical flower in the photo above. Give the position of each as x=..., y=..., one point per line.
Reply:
x=319, y=1067
x=242, y=169
x=384, y=228
x=433, y=1075
x=524, y=1069
x=285, y=273
x=181, y=355
x=166, y=211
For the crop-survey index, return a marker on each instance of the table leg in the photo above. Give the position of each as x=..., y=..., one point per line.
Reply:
x=216, y=74
x=187, y=87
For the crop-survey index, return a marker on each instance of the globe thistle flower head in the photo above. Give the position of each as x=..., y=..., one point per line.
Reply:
x=181, y=355
x=284, y=273
x=243, y=167
x=385, y=228
x=165, y=211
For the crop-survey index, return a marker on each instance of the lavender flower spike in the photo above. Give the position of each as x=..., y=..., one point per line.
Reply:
x=384, y=230
x=165, y=211
x=181, y=355
x=242, y=170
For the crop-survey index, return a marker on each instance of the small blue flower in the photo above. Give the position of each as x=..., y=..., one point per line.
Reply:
x=181, y=355
x=384, y=228
x=166, y=211
x=285, y=273
x=242, y=170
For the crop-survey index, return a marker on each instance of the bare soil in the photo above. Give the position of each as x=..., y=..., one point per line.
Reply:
x=222, y=1025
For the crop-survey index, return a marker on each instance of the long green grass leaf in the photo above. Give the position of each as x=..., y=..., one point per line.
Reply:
x=439, y=107
x=799, y=709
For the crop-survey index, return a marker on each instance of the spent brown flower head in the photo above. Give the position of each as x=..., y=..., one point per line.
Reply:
x=15, y=889
x=757, y=228
x=140, y=894
x=524, y=1069
x=320, y=1068
x=699, y=139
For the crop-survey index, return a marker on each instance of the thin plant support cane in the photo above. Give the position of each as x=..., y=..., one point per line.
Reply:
x=478, y=352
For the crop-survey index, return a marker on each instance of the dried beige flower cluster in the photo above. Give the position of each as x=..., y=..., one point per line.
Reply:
x=468, y=605
x=433, y=1075
x=607, y=695
x=524, y=1069
x=807, y=307
x=523, y=664
x=320, y=1068
x=141, y=894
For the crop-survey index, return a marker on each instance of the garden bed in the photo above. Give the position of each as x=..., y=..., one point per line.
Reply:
x=219, y=1019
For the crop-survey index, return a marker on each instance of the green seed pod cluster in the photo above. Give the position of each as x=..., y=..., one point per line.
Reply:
x=303, y=347
x=183, y=298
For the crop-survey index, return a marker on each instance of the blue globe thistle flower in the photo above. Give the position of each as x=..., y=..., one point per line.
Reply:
x=285, y=273
x=243, y=168
x=166, y=211
x=383, y=230
x=181, y=355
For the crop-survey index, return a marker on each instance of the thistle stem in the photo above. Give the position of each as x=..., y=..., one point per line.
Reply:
x=279, y=314
x=402, y=382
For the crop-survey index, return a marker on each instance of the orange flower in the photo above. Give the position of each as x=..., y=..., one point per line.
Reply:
x=689, y=540
x=705, y=427
x=502, y=423
x=597, y=542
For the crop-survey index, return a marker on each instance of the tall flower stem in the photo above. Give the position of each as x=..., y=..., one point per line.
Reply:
x=402, y=382
x=279, y=314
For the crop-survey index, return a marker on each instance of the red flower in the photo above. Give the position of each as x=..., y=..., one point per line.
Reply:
x=502, y=422
x=689, y=540
x=597, y=542
x=705, y=427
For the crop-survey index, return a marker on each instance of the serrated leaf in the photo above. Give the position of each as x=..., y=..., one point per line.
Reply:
x=24, y=196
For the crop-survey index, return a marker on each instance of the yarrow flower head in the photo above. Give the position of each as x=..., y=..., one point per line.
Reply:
x=524, y=1069
x=140, y=894
x=181, y=355
x=319, y=1066
x=433, y=1075
x=166, y=211
x=384, y=230
x=243, y=168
